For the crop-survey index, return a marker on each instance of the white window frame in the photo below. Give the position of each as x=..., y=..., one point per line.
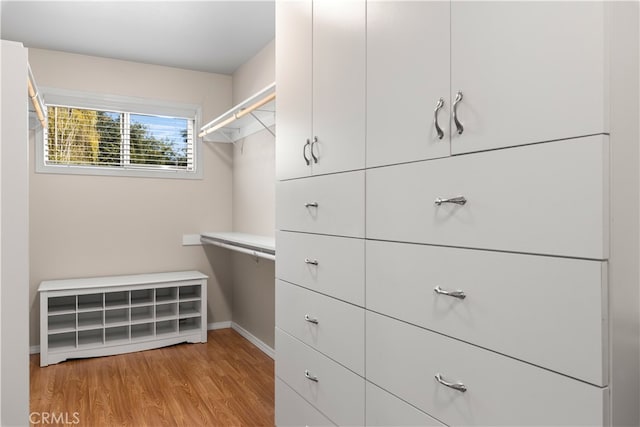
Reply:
x=95, y=101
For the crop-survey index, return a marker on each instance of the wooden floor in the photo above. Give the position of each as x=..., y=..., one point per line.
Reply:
x=225, y=382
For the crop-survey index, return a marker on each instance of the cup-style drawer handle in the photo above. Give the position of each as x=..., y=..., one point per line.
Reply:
x=311, y=205
x=310, y=377
x=310, y=319
x=459, y=200
x=455, y=294
x=311, y=261
x=456, y=386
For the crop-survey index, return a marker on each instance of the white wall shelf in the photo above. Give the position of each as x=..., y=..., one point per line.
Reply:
x=102, y=316
x=251, y=244
x=248, y=117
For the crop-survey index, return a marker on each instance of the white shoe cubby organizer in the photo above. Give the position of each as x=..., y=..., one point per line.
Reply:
x=102, y=316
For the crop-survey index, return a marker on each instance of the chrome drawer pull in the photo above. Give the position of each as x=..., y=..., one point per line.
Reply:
x=439, y=131
x=311, y=261
x=311, y=205
x=310, y=377
x=313, y=154
x=459, y=126
x=455, y=294
x=460, y=200
x=311, y=319
x=304, y=152
x=456, y=386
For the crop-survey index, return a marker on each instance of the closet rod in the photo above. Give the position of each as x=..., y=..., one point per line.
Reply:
x=35, y=98
x=238, y=111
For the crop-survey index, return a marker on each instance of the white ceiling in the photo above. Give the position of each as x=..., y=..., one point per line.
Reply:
x=213, y=36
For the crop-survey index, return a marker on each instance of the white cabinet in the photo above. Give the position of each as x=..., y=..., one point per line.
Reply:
x=102, y=316
x=528, y=72
x=321, y=117
x=293, y=411
x=498, y=390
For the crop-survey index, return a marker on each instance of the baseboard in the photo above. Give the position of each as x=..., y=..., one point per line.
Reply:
x=218, y=325
x=34, y=349
x=253, y=340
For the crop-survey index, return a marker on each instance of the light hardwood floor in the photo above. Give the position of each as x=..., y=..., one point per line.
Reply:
x=225, y=382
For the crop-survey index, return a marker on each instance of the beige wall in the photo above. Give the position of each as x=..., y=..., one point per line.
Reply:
x=254, y=206
x=103, y=225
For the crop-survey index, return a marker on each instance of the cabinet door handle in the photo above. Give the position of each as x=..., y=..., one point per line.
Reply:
x=313, y=154
x=311, y=261
x=455, y=294
x=304, y=152
x=459, y=200
x=456, y=386
x=310, y=319
x=310, y=377
x=459, y=126
x=439, y=106
x=311, y=205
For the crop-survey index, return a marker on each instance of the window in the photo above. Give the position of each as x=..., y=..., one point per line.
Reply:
x=94, y=134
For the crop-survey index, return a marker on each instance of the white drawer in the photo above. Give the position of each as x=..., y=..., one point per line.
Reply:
x=327, y=204
x=339, y=331
x=339, y=271
x=405, y=359
x=548, y=311
x=338, y=393
x=547, y=199
x=384, y=409
x=293, y=411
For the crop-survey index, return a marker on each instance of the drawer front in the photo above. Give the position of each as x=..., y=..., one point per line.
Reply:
x=293, y=411
x=384, y=409
x=328, y=204
x=546, y=199
x=547, y=311
x=405, y=359
x=330, y=265
x=332, y=327
x=338, y=393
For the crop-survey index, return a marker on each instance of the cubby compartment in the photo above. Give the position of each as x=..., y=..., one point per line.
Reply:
x=166, y=311
x=166, y=294
x=62, y=304
x=141, y=314
x=119, y=315
x=116, y=299
x=90, y=302
x=89, y=319
x=190, y=292
x=62, y=323
x=166, y=327
x=116, y=334
x=141, y=331
x=62, y=342
x=90, y=338
x=142, y=296
x=189, y=309
x=189, y=324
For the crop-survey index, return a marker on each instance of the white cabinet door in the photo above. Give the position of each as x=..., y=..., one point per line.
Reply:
x=327, y=204
x=407, y=73
x=529, y=72
x=384, y=409
x=331, y=326
x=330, y=265
x=500, y=391
x=333, y=389
x=543, y=199
x=338, y=85
x=293, y=411
x=504, y=296
x=293, y=82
